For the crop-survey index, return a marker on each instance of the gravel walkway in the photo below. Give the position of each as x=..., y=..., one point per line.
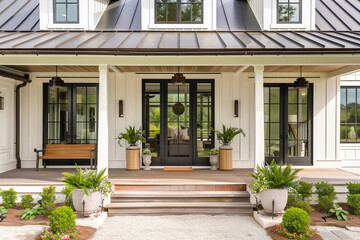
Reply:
x=21, y=232
x=182, y=227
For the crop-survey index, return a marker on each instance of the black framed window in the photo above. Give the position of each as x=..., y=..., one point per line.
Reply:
x=66, y=11
x=179, y=11
x=350, y=114
x=289, y=11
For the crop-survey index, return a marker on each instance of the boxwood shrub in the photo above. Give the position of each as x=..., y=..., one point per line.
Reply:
x=296, y=220
x=62, y=220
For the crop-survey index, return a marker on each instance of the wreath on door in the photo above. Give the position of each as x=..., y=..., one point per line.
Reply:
x=178, y=108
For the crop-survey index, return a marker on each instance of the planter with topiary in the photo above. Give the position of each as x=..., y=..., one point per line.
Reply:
x=134, y=137
x=226, y=137
x=89, y=188
x=214, y=158
x=146, y=158
x=271, y=184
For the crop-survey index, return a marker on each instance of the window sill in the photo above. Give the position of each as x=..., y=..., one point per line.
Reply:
x=288, y=25
x=178, y=26
x=65, y=26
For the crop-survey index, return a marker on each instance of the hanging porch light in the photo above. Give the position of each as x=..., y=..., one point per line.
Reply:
x=56, y=81
x=301, y=82
x=178, y=78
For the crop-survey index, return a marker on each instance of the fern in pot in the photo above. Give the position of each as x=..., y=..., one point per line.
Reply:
x=89, y=187
x=271, y=184
x=133, y=136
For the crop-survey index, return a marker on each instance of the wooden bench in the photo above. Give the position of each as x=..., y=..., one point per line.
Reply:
x=67, y=151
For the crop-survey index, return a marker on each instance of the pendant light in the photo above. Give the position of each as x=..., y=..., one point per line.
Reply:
x=301, y=82
x=56, y=81
x=178, y=78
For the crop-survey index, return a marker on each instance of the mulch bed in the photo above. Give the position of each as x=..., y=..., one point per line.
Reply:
x=316, y=220
x=14, y=215
x=271, y=231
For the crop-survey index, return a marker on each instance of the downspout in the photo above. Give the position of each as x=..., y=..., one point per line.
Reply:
x=8, y=73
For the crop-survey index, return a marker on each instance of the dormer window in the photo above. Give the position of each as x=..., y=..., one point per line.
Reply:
x=66, y=11
x=179, y=11
x=289, y=11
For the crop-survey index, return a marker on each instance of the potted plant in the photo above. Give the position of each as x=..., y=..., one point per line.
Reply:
x=225, y=137
x=147, y=158
x=134, y=137
x=271, y=183
x=89, y=187
x=214, y=158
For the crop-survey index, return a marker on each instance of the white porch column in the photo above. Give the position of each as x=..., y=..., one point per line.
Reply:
x=259, y=115
x=103, y=124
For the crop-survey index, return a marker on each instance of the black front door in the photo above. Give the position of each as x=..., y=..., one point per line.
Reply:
x=70, y=115
x=177, y=120
x=288, y=123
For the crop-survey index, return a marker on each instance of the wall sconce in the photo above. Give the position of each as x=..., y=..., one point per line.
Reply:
x=1, y=103
x=236, y=108
x=121, y=108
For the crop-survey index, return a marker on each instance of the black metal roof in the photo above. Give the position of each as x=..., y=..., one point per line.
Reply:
x=150, y=42
x=232, y=15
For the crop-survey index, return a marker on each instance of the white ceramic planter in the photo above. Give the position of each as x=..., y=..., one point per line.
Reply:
x=92, y=202
x=147, y=161
x=214, y=159
x=280, y=197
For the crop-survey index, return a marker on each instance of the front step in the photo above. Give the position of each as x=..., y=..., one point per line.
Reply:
x=173, y=196
x=181, y=187
x=165, y=208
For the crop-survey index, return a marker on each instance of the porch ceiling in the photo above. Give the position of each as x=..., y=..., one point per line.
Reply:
x=184, y=69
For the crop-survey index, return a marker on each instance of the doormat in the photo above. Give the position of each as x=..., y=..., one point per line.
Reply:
x=178, y=169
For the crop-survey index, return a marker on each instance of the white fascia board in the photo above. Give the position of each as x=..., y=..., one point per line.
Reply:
x=231, y=60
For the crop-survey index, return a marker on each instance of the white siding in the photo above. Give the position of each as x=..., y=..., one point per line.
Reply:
x=257, y=7
x=7, y=125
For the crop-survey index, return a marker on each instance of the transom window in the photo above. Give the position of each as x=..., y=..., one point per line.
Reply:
x=66, y=11
x=289, y=11
x=179, y=11
x=350, y=114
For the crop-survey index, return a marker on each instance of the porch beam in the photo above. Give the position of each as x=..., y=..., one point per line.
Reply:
x=259, y=154
x=103, y=125
x=95, y=60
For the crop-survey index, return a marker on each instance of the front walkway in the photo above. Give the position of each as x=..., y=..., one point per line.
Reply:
x=199, y=227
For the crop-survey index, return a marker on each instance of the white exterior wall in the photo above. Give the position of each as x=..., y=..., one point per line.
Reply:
x=7, y=125
x=350, y=152
x=228, y=87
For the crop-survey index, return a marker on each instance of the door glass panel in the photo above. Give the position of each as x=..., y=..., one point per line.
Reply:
x=178, y=117
x=58, y=115
x=86, y=114
x=152, y=118
x=204, y=122
x=297, y=129
x=272, y=121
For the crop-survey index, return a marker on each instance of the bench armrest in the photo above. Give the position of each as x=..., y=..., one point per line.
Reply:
x=38, y=151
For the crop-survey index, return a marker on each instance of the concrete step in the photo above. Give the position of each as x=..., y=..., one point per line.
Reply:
x=173, y=196
x=181, y=187
x=165, y=208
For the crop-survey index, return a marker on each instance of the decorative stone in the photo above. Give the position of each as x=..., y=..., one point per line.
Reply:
x=353, y=229
x=265, y=219
x=94, y=220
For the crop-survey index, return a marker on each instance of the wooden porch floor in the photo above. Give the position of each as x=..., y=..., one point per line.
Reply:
x=53, y=176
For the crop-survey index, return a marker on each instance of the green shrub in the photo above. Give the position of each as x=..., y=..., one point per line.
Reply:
x=67, y=191
x=48, y=198
x=30, y=213
x=291, y=200
x=296, y=220
x=3, y=210
x=305, y=190
x=47, y=234
x=326, y=195
x=9, y=198
x=62, y=220
x=353, y=188
x=353, y=201
x=26, y=200
x=340, y=213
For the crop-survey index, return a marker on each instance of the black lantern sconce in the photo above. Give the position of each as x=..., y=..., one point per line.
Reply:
x=236, y=108
x=1, y=103
x=121, y=108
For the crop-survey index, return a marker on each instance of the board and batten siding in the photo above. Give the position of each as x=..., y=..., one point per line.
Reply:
x=228, y=87
x=7, y=125
x=350, y=152
x=257, y=7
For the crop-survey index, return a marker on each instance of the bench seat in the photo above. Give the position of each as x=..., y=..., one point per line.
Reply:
x=67, y=151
